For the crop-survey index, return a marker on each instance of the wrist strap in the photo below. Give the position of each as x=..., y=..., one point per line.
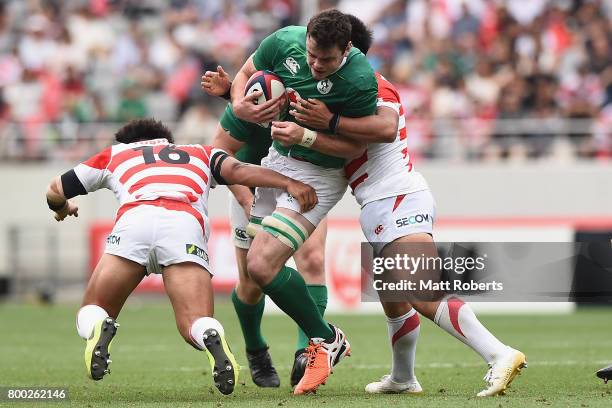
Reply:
x=56, y=207
x=334, y=122
x=309, y=138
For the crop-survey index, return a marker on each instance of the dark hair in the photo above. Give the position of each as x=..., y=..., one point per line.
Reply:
x=361, y=36
x=330, y=28
x=143, y=129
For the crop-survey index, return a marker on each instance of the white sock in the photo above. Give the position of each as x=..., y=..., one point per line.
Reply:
x=458, y=319
x=403, y=334
x=87, y=317
x=200, y=325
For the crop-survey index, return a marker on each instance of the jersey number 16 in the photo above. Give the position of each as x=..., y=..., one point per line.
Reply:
x=178, y=156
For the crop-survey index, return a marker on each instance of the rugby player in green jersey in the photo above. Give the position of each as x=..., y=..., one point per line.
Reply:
x=316, y=61
x=251, y=146
x=250, y=142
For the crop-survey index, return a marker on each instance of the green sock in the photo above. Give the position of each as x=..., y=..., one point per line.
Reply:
x=319, y=295
x=288, y=290
x=250, y=322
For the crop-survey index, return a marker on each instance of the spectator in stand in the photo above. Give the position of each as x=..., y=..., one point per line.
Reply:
x=499, y=60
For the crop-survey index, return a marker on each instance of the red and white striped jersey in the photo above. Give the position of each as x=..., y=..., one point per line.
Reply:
x=154, y=172
x=384, y=170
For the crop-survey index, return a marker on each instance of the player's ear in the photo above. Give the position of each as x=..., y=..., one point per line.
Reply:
x=348, y=48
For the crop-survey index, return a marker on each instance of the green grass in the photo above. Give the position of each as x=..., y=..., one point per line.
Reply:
x=152, y=366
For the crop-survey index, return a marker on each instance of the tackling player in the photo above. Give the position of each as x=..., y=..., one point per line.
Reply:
x=162, y=189
x=313, y=61
x=387, y=188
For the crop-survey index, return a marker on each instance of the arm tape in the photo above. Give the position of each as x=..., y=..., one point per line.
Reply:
x=71, y=185
x=308, y=138
x=215, y=167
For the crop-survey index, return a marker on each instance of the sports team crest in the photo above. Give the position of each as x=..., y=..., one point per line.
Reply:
x=324, y=86
x=292, y=65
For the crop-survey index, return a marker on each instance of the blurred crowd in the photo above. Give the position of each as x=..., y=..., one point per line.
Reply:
x=485, y=63
x=480, y=79
x=71, y=71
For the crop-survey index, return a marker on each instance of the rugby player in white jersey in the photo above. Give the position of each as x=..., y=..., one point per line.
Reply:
x=162, y=189
x=388, y=189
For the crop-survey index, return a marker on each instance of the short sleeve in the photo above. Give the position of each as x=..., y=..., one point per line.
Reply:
x=93, y=172
x=388, y=96
x=266, y=53
x=237, y=128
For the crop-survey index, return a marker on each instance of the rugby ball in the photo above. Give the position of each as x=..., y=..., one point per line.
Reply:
x=271, y=87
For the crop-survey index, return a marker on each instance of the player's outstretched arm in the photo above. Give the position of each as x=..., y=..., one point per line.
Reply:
x=228, y=170
x=378, y=128
x=216, y=83
x=290, y=133
x=58, y=203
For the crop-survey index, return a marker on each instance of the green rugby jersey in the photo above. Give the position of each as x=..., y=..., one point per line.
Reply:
x=351, y=91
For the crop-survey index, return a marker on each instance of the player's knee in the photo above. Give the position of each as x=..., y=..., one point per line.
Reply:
x=396, y=309
x=425, y=308
x=256, y=267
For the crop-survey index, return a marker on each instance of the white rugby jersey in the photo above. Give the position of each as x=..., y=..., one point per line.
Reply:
x=153, y=172
x=384, y=170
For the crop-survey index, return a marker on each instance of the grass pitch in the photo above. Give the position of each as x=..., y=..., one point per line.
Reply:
x=152, y=366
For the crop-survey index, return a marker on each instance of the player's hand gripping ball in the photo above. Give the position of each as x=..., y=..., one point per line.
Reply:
x=271, y=87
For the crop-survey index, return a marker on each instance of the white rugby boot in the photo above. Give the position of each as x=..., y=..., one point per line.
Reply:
x=502, y=372
x=387, y=386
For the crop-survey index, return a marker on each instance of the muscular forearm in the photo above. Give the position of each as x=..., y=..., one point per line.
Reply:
x=242, y=193
x=55, y=194
x=338, y=146
x=57, y=201
x=255, y=176
x=379, y=128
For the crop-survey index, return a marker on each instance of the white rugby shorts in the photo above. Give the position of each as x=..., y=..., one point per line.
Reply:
x=385, y=220
x=330, y=185
x=150, y=232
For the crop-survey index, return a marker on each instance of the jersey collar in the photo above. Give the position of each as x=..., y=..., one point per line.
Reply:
x=340, y=67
